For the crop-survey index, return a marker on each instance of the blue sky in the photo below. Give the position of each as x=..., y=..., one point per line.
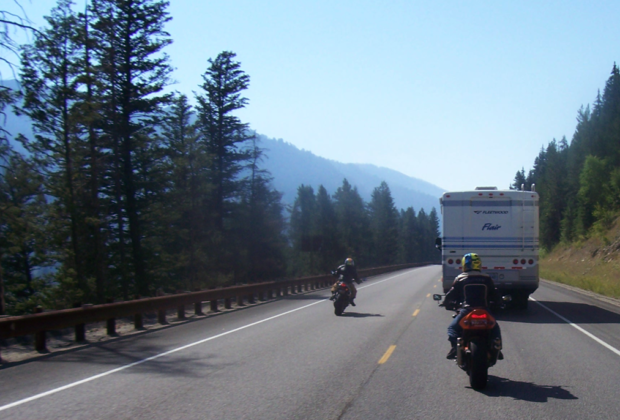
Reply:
x=456, y=93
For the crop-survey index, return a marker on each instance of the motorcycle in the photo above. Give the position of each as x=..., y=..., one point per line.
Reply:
x=341, y=297
x=476, y=352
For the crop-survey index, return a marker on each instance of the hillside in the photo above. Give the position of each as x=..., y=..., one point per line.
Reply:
x=291, y=167
x=593, y=264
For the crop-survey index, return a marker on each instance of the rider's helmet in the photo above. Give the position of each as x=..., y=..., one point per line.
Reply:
x=471, y=262
x=349, y=261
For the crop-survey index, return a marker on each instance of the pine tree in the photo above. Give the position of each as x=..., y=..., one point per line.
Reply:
x=302, y=231
x=426, y=235
x=594, y=192
x=610, y=119
x=330, y=251
x=353, y=223
x=261, y=224
x=552, y=191
x=185, y=207
x=130, y=39
x=23, y=233
x=520, y=180
x=49, y=79
x=88, y=120
x=433, y=233
x=384, y=226
x=409, y=237
x=224, y=134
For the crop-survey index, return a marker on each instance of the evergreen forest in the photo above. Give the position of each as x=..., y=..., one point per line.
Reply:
x=127, y=191
x=579, y=183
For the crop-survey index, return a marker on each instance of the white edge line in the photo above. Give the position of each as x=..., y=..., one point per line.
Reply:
x=157, y=356
x=593, y=337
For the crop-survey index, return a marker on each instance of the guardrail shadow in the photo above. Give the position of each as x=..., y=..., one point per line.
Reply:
x=525, y=391
x=123, y=351
x=578, y=313
x=121, y=341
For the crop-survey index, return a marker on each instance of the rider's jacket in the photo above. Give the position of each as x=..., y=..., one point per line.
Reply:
x=348, y=273
x=471, y=288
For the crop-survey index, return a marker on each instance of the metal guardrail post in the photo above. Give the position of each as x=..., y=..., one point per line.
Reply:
x=111, y=326
x=161, y=317
x=228, y=303
x=111, y=323
x=80, y=329
x=39, y=337
x=213, y=304
x=181, y=312
x=198, y=308
x=138, y=323
x=251, y=298
x=240, y=300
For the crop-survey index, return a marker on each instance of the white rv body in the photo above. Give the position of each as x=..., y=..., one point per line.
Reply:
x=502, y=228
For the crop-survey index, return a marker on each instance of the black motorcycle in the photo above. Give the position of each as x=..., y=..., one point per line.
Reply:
x=476, y=352
x=341, y=297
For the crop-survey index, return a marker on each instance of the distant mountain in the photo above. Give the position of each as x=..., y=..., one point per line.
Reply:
x=291, y=167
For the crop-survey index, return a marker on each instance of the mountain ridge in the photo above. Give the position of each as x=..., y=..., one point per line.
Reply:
x=291, y=167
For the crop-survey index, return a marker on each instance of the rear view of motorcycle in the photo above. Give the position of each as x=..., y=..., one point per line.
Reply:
x=476, y=350
x=341, y=297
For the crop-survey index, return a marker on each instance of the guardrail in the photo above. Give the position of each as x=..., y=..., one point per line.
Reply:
x=39, y=323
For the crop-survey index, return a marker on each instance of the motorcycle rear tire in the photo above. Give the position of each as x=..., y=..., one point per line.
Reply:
x=478, y=374
x=339, y=306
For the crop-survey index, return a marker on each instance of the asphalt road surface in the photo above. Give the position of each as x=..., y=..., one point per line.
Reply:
x=294, y=359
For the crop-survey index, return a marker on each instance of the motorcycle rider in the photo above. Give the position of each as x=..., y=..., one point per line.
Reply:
x=349, y=275
x=475, y=297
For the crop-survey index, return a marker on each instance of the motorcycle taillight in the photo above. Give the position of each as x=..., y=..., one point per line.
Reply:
x=478, y=319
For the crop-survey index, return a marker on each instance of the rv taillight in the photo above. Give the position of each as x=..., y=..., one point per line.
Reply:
x=531, y=262
x=450, y=261
x=458, y=261
x=523, y=261
x=515, y=261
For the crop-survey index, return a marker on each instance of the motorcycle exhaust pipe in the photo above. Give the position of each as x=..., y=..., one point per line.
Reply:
x=459, y=351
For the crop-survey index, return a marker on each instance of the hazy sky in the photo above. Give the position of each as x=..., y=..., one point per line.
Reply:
x=457, y=93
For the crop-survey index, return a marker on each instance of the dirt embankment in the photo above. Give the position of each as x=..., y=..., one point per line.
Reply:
x=593, y=264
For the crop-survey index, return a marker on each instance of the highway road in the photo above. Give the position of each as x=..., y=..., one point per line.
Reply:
x=294, y=359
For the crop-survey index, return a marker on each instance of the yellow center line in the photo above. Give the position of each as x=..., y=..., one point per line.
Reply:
x=417, y=311
x=387, y=355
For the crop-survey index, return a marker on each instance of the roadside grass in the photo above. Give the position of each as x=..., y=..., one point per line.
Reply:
x=591, y=264
x=603, y=279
